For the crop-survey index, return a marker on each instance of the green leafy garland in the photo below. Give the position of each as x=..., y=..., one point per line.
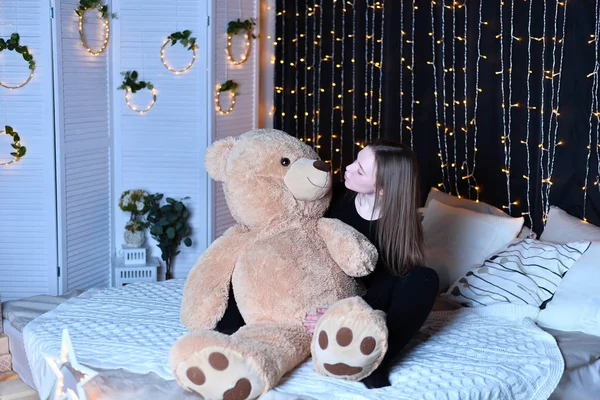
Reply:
x=130, y=81
x=228, y=85
x=13, y=44
x=85, y=5
x=184, y=38
x=235, y=27
x=19, y=150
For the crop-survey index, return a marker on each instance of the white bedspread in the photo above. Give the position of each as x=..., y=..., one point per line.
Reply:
x=486, y=353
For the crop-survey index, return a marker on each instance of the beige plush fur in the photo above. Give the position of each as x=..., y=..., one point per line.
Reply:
x=282, y=258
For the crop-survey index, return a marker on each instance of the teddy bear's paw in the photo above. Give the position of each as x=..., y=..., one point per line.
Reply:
x=217, y=373
x=347, y=348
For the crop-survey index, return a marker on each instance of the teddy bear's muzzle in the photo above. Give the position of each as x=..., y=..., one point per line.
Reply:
x=308, y=179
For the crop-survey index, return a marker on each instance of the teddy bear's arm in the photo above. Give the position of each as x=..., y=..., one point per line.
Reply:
x=207, y=286
x=349, y=248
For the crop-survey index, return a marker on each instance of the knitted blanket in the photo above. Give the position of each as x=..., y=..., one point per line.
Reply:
x=494, y=352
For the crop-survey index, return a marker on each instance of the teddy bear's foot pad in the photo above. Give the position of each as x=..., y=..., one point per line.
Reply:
x=348, y=349
x=216, y=373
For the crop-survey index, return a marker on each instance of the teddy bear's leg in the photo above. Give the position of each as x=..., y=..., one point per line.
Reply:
x=350, y=340
x=241, y=366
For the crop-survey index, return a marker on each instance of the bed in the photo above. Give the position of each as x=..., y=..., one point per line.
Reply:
x=498, y=348
x=488, y=353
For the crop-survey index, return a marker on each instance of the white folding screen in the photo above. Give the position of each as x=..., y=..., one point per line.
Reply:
x=83, y=149
x=244, y=115
x=28, y=255
x=85, y=146
x=162, y=151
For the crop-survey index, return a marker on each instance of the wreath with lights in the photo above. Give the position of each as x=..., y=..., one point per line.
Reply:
x=234, y=28
x=19, y=150
x=13, y=44
x=228, y=86
x=187, y=41
x=86, y=5
x=131, y=85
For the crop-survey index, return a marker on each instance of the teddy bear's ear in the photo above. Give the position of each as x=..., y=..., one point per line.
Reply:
x=216, y=158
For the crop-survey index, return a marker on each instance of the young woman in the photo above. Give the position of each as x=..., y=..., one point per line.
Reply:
x=385, y=181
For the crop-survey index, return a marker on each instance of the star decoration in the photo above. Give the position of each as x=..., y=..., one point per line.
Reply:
x=70, y=375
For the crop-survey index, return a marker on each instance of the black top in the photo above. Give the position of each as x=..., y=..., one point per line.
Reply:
x=380, y=282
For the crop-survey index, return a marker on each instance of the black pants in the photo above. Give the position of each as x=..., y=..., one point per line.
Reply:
x=411, y=300
x=408, y=304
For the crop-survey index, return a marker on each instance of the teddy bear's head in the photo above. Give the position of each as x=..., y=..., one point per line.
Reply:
x=269, y=176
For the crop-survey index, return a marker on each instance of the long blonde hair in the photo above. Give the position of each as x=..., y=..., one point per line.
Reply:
x=399, y=230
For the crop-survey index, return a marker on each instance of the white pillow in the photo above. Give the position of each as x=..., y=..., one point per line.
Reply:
x=457, y=240
x=562, y=228
x=526, y=271
x=576, y=303
x=467, y=204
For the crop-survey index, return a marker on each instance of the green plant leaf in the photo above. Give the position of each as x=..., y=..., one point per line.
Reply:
x=187, y=242
x=170, y=232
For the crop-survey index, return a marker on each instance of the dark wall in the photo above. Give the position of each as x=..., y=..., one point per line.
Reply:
x=337, y=117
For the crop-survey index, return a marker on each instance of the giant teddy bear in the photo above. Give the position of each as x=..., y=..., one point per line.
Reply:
x=283, y=260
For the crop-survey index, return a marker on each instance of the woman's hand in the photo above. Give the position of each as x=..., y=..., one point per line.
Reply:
x=311, y=320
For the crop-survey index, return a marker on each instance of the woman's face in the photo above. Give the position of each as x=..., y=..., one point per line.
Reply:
x=360, y=175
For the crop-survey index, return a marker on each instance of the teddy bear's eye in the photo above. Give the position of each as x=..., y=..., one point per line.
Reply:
x=285, y=162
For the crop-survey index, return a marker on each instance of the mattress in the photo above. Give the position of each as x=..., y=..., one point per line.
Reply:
x=16, y=348
x=126, y=333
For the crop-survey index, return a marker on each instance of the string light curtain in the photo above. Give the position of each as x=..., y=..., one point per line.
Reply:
x=499, y=98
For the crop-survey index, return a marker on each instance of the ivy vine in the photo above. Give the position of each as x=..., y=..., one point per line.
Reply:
x=228, y=85
x=247, y=25
x=85, y=5
x=184, y=38
x=13, y=44
x=19, y=150
x=130, y=81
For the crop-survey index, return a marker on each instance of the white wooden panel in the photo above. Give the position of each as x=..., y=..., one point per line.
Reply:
x=244, y=116
x=27, y=193
x=84, y=143
x=163, y=150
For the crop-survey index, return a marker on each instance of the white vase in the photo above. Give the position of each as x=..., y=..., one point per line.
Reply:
x=134, y=239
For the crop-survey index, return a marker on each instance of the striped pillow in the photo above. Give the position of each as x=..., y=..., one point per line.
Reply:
x=525, y=271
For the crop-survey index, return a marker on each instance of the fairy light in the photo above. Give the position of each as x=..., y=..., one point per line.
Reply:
x=594, y=104
x=412, y=74
x=454, y=135
x=11, y=87
x=218, y=100
x=528, y=111
x=317, y=87
x=445, y=104
x=545, y=177
x=167, y=66
x=368, y=112
x=16, y=145
x=471, y=173
x=380, y=69
x=304, y=61
x=333, y=83
x=401, y=77
x=342, y=92
x=465, y=105
x=353, y=60
x=435, y=92
x=133, y=107
x=508, y=155
x=556, y=105
x=314, y=88
x=82, y=36
x=505, y=142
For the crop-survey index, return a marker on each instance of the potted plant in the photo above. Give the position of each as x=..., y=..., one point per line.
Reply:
x=169, y=227
x=137, y=202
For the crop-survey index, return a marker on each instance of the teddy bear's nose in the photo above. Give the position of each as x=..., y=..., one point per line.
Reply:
x=321, y=165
